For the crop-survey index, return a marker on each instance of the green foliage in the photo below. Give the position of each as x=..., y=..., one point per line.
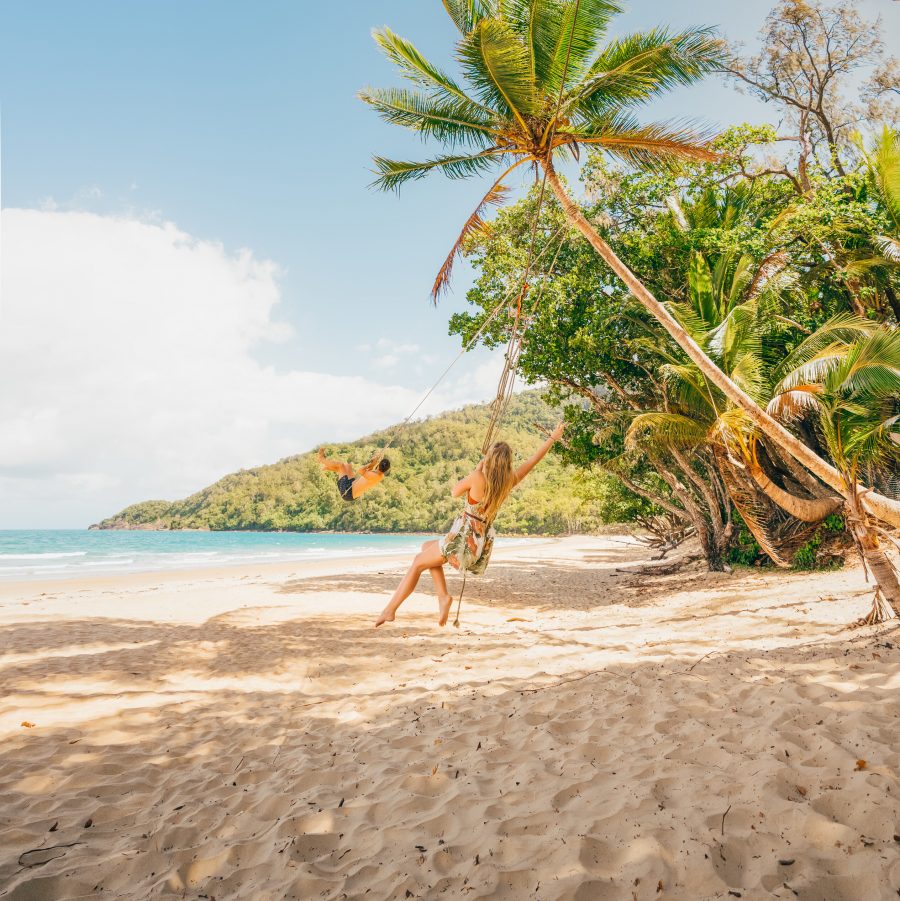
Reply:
x=744, y=550
x=833, y=523
x=807, y=557
x=428, y=457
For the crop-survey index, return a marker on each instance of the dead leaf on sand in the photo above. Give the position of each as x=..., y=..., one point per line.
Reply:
x=861, y=765
x=27, y=725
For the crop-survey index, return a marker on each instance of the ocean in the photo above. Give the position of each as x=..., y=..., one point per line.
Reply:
x=65, y=553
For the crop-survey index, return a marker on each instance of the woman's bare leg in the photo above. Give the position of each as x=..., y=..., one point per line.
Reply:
x=428, y=558
x=445, y=601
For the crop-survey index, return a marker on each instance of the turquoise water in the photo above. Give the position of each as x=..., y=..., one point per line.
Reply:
x=47, y=554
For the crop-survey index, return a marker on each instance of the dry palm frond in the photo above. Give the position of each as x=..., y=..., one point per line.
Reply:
x=771, y=266
x=888, y=247
x=789, y=406
x=776, y=532
x=474, y=225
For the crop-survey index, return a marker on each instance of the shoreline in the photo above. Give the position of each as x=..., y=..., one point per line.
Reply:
x=12, y=590
x=350, y=557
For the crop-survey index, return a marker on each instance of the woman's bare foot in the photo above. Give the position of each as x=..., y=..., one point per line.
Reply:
x=444, y=605
x=387, y=616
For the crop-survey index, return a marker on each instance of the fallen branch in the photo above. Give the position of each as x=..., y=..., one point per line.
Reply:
x=575, y=679
x=682, y=672
x=664, y=569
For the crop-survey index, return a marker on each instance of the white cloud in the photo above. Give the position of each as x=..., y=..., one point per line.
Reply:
x=128, y=368
x=396, y=347
x=387, y=361
x=391, y=352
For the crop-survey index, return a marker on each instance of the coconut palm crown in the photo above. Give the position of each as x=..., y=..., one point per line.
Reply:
x=538, y=81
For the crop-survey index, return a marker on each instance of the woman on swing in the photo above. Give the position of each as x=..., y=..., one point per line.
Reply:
x=468, y=543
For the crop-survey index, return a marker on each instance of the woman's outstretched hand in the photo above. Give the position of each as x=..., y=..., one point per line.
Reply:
x=557, y=433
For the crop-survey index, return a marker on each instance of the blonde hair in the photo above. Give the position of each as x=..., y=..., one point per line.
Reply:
x=499, y=479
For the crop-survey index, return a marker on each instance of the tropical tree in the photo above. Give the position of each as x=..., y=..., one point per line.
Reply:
x=850, y=382
x=877, y=261
x=539, y=87
x=729, y=310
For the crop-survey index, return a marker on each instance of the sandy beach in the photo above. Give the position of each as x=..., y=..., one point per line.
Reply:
x=589, y=732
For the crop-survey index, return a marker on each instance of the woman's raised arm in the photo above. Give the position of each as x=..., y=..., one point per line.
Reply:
x=541, y=452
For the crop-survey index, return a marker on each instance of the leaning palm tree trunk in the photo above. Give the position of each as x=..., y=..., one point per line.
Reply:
x=883, y=508
x=887, y=586
x=800, y=508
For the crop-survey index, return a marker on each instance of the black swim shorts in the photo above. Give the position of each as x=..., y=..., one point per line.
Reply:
x=345, y=486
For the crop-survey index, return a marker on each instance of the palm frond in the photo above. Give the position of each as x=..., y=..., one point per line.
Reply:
x=873, y=439
x=871, y=367
x=496, y=63
x=416, y=68
x=670, y=429
x=700, y=289
x=688, y=316
x=736, y=335
x=394, y=173
x=841, y=328
x=889, y=248
x=793, y=404
x=637, y=68
x=474, y=225
x=817, y=368
x=453, y=122
x=689, y=390
x=534, y=22
x=885, y=167
x=651, y=146
x=571, y=35
x=466, y=14
x=748, y=371
x=736, y=429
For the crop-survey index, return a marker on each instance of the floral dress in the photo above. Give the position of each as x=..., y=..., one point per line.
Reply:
x=468, y=545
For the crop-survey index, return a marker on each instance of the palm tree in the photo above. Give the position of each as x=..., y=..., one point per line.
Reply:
x=877, y=262
x=728, y=310
x=851, y=383
x=540, y=86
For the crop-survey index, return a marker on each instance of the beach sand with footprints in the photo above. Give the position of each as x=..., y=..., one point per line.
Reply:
x=590, y=731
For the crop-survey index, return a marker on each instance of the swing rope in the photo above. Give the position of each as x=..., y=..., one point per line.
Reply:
x=514, y=348
x=468, y=346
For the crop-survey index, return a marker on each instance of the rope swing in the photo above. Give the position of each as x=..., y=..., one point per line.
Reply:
x=507, y=381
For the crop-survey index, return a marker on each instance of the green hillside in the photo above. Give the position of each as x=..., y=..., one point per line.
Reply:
x=427, y=458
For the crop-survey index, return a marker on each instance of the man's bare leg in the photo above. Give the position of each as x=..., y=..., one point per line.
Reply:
x=428, y=558
x=345, y=469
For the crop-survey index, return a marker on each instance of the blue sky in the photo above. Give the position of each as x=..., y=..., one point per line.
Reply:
x=238, y=122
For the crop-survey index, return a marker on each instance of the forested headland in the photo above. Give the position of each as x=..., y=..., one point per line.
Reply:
x=426, y=459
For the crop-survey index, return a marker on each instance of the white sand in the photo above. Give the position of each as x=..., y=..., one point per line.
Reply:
x=586, y=734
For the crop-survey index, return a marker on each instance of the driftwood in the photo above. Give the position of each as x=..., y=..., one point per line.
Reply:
x=663, y=569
